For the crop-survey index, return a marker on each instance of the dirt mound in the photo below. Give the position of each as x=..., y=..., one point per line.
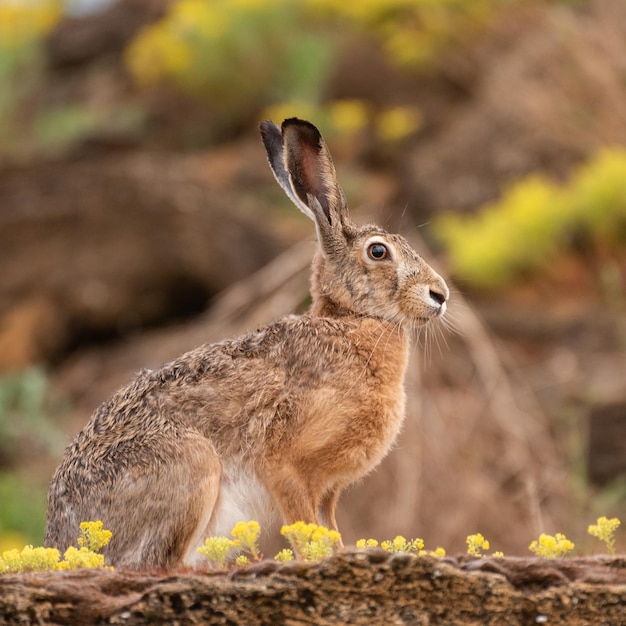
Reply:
x=100, y=248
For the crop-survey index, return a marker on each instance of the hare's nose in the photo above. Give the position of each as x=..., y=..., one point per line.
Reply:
x=439, y=294
x=439, y=297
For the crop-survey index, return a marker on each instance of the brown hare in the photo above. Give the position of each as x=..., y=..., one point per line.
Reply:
x=272, y=424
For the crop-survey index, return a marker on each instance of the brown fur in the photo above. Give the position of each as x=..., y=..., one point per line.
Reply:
x=281, y=419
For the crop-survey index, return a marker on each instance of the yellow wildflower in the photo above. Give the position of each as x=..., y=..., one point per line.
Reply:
x=284, y=555
x=92, y=536
x=398, y=123
x=604, y=529
x=551, y=546
x=476, y=544
x=217, y=549
x=75, y=558
x=400, y=544
x=312, y=542
x=28, y=559
x=246, y=535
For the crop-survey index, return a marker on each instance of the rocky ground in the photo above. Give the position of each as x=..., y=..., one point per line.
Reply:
x=127, y=250
x=352, y=588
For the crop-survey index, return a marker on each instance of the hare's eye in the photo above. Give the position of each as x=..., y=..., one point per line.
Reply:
x=378, y=252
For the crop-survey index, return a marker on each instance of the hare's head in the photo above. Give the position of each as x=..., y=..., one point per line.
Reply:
x=358, y=270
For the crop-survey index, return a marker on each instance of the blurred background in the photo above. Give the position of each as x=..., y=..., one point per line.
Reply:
x=139, y=218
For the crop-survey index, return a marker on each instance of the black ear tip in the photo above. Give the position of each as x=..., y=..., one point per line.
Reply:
x=304, y=129
x=296, y=121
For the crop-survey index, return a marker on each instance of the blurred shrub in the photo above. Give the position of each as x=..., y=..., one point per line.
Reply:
x=59, y=127
x=413, y=33
x=27, y=121
x=242, y=54
x=25, y=430
x=22, y=28
x=22, y=23
x=351, y=117
x=234, y=54
x=24, y=414
x=22, y=512
x=537, y=219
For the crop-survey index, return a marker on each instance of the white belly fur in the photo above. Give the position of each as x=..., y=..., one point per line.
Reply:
x=242, y=498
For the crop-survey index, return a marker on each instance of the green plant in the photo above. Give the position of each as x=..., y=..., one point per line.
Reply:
x=24, y=426
x=24, y=412
x=23, y=26
x=22, y=508
x=56, y=128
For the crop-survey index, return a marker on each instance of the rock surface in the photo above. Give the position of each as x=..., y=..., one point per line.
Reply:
x=370, y=587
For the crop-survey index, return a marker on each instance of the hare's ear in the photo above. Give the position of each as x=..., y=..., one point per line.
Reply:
x=273, y=141
x=304, y=168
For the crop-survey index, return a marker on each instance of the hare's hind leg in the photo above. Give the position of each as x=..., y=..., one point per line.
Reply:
x=161, y=512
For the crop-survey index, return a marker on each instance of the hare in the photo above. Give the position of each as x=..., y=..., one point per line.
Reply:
x=272, y=424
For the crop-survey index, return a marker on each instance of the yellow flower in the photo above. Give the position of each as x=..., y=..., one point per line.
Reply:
x=348, y=116
x=284, y=555
x=24, y=22
x=93, y=536
x=28, y=559
x=247, y=535
x=476, y=544
x=217, y=549
x=400, y=544
x=312, y=542
x=75, y=558
x=551, y=546
x=398, y=122
x=366, y=543
x=604, y=529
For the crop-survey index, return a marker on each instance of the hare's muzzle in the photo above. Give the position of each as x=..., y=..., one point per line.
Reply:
x=436, y=296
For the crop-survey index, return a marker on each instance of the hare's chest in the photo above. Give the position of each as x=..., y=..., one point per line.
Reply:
x=242, y=497
x=386, y=423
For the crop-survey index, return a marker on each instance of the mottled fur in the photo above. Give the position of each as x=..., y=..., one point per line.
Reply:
x=279, y=420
